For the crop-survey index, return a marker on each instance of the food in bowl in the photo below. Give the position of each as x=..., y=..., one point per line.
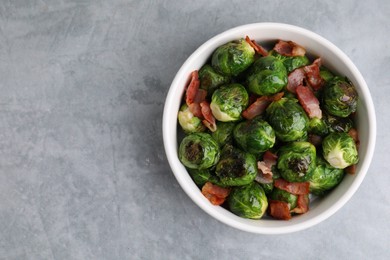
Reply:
x=265, y=131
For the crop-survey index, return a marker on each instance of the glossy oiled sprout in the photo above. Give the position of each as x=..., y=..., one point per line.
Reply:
x=338, y=124
x=189, y=122
x=282, y=195
x=200, y=177
x=340, y=97
x=318, y=127
x=228, y=102
x=199, y=151
x=339, y=150
x=291, y=62
x=210, y=79
x=248, y=201
x=233, y=58
x=325, y=177
x=288, y=119
x=267, y=76
x=224, y=133
x=297, y=161
x=235, y=168
x=254, y=136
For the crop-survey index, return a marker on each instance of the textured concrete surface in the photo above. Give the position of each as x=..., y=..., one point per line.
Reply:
x=83, y=173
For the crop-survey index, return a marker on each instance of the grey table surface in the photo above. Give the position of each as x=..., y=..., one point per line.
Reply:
x=83, y=174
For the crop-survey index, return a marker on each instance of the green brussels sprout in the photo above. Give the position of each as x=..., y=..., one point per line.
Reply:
x=267, y=187
x=224, y=133
x=188, y=122
x=210, y=79
x=248, y=201
x=200, y=177
x=254, y=136
x=326, y=74
x=282, y=195
x=199, y=151
x=338, y=124
x=318, y=126
x=339, y=150
x=267, y=76
x=290, y=62
x=235, y=168
x=228, y=102
x=339, y=97
x=288, y=119
x=324, y=178
x=297, y=161
x=233, y=57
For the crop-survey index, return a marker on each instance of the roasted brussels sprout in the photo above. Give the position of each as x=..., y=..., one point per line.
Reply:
x=324, y=177
x=210, y=79
x=282, y=195
x=291, y=62
x=325, y=74
x=200, y=177
x=224, y=133
x=189, y=122
x=267, y=76
x=297, y=161
x=228, y=102
x=339, y=97
x=267, y=187
x=318, y=126
x=288, y=119
x=338, y=124
x=199, y=151
x=339, y=150
x=235, y=168
x=248, y=201
x=233, y=58
x=254, y=136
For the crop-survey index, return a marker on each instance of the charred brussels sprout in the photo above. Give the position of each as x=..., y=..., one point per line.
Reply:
x=282, y=195
x=267, y=76
x=210, y=80
x=318, y=126
x=297, y=161
x=199, y=151
x=254, y=136
x=235, y=168
x=288, y=119
x=224, y=133
x=339, y=150
x=324, y=178
x=291, y=62
x=189, y=122
x=200, y=177
x=233, y=58
x=338, y=124
x=228, y=102
x=248, y=201
x=339, y=97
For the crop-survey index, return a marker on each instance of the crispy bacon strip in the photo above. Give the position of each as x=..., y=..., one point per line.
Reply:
x=355, y=136
x=270, y=158
x=214, y=193
x=200, y=96
x=309, y=102
x=209, y=119
x=302, y=204
x=192, y=88
x=313, y=76
x=279, y=209
x=259, y=106
x=265, y=174
x=195, y=109
x=296, y=188
x=289, y=48
x=257, y=47
x=351, y=169
x=315, y=140
x=295, y=79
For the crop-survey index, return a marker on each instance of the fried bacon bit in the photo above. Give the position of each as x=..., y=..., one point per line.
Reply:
x=315, y=140
x=279, y=209
x=270, y=158
x=215, y=194
x=355, y=136
x=309, y=102
x=295, y=79
x=259, y=106
x=289, y=48
x=313, y=76
x=257, y=47
x=296, y=188
x=192, y=88
x=209, y=119
x=200, y=96
x=265, y=168
x=302, y=205
x=351, y=169
x=195, y=109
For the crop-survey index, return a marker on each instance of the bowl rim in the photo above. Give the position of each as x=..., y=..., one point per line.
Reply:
x=170, y=145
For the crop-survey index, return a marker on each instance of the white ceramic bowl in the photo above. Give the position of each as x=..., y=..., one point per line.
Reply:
x=334, y=59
